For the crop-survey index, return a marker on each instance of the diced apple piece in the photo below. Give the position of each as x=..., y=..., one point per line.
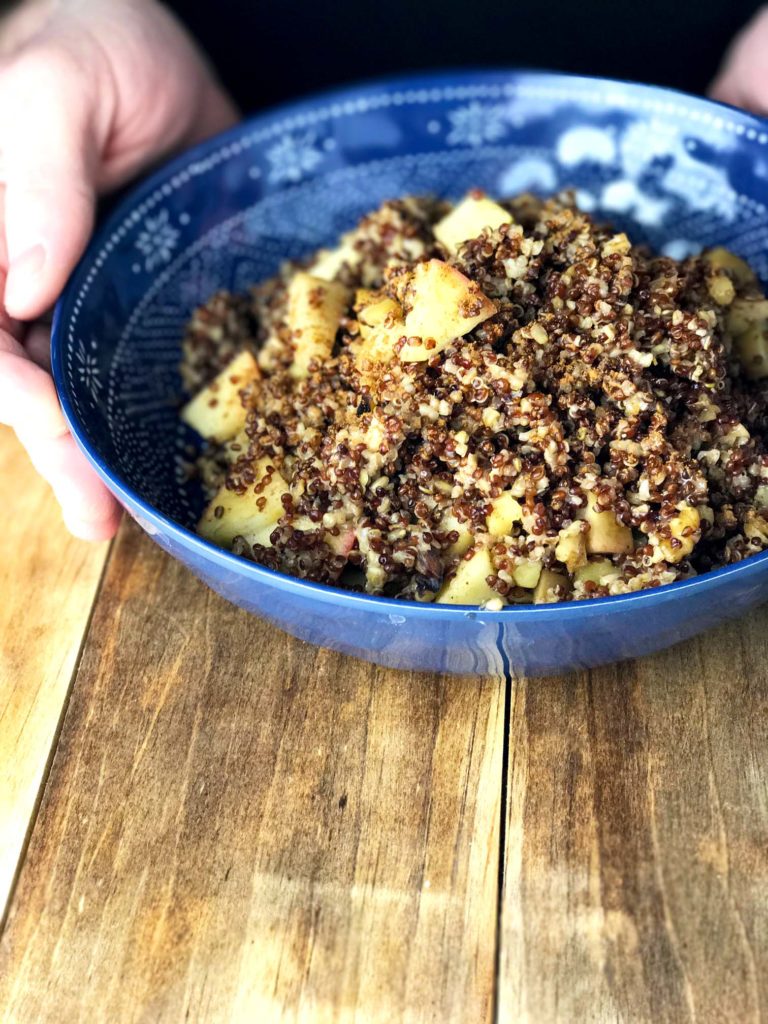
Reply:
x=375, y=309
x=341, y=543
x=720, y=288
x=551, y=588
x=607, y=536
x=737, y=268
x=468, y=585
x=315, y=308
x=237, y=447
x=375, y=576
x=330, y=261
x=381, y=325
x=450, y=524
x=746, y=312
x=505, y=511
x=571, y=547
x=527, y=574
x=216, y=412
x=595, y=571
x=752, y=351
x=444, y=304
x=467, y=220
x=379, y=346
x=756, y=527
x=686, y=530
x=252, y=514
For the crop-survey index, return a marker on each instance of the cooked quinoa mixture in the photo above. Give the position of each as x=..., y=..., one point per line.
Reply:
x=486, y=403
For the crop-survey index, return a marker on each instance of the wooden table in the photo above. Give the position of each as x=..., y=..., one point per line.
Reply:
x=202, y=819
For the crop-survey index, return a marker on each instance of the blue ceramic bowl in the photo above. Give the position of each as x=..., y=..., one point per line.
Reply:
x=677, y=171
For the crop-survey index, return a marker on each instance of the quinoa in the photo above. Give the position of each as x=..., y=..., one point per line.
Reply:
x=613, y=400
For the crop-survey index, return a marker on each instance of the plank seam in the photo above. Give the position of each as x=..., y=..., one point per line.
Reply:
x=508, y=677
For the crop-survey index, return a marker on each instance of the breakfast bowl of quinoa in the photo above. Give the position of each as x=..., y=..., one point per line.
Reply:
x=463, y=373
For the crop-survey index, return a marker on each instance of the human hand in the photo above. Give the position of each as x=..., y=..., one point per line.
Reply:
x=743, y=76
x=91, y=92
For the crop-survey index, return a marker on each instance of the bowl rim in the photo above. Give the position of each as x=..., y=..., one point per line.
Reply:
x=324, y=593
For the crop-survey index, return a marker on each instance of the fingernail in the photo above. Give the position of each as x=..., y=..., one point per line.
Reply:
x=22, y=283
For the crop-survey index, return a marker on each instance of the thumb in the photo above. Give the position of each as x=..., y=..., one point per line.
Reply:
x=49, y=159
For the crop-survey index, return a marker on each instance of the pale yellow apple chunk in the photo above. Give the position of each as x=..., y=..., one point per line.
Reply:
x=745, y=313
x=329, y=262
x=721, y=258
x=315, y=308
x=252, y=514
x=451, y=524
x=469, y=585
x=375, y=309
x=505, y=512
x=721, y=289
x=527, y=574
x=444, y=305
x=571, y=547
x=606, y=536
x=237, y=447
x=752, y=350
x=595, y=571
x=685, y=529
x=380, y=320
x=468, y=219
x=217, y=412
x=551, y=588
x=340, y=543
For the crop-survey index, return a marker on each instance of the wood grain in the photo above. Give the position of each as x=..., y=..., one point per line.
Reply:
x=238, y=827
x=636, y=872
x=48, y=581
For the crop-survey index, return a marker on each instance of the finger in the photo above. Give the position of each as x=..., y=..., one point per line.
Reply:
x=742, y=79
x=217, y=112
x=725, y=89
x=37, y=345
x=89, y=510
x=7, y=323
x=28, y=400
x=21, y=23
x=29, y=404
x=49, y=156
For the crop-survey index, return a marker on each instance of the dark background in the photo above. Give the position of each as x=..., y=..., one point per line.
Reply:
x=267, y=52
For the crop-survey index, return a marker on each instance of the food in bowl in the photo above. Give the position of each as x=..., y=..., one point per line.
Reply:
x=486, y=403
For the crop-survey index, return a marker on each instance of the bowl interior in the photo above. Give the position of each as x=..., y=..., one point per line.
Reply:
x=677, y=172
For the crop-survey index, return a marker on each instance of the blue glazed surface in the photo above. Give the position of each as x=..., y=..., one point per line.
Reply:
x=676, y=171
